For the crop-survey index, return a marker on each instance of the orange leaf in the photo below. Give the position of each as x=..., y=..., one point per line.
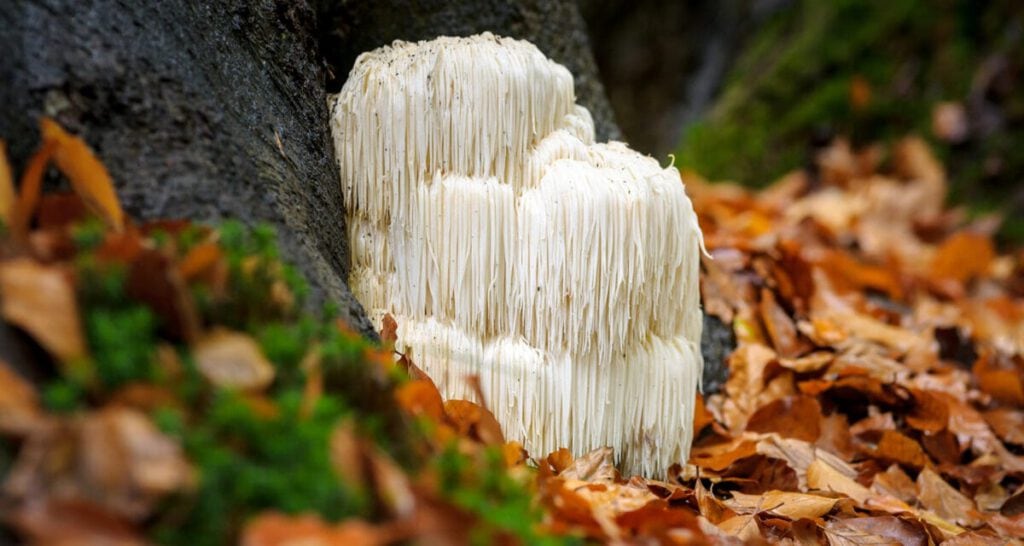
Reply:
x=40, y=300
x=930, y=414
x=474, y=420
x=199, y=259
x=272, y=529
x=513, y=454
x=560, y=460
x=792, y=417
x=31, y=185
x=6, y=186
x=87, y=175
x=961, y=257
x=897, y=448
x=19, y=404
x=420, y=397
x=389, y=330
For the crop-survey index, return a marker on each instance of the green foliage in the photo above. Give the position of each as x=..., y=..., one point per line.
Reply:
x=247, y=459
x=792, y=82
x=248, y=463
x=504, y=503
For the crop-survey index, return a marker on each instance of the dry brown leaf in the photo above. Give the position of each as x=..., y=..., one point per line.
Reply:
x=1008, y=424
x=780, y=327
x=513, y=454
x=962, y=257
x=154, y=280
x=346, y=454
x=895, y=447
x=391, y=484
x=233, y=360
x=474, y=421
x=115, y=459
x=200, y=259
x=809, y=363
x=87, y=174
x=655, y=519
x=41, y=300
x=420, y=397
x=930, y=412
x=743, y=527
x=783, y=503
x=272, y=529
x=72, y=523
x=948, y=503
x=796, y=417
x=876, y=530
x=895, y=483
x=595, y=466
x=389, y=330
x=560, y=460
x=19, y=403
x=824, y=477
x=7, y=196
x=28, y=191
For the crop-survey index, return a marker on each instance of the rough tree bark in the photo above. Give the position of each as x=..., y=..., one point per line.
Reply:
x=210, y=110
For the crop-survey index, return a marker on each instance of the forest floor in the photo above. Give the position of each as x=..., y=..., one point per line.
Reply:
x=876, y=394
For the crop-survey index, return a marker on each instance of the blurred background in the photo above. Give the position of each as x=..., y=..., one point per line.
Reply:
x=746, y=90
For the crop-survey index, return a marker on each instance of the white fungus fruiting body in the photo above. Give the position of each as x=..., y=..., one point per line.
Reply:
x=510, y=246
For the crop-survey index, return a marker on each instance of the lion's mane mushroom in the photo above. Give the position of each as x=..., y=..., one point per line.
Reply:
x=508, y=245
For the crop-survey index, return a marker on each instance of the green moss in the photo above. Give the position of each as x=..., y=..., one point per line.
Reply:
x=792, y=81
x=249, y=463
x=504, y=503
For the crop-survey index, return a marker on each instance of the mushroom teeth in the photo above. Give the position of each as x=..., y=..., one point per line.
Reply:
x=509, y=245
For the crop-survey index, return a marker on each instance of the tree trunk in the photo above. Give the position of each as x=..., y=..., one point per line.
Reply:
x=213, y=110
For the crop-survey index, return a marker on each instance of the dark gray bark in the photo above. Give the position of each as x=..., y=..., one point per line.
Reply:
x=213, y=110
x=200, y=110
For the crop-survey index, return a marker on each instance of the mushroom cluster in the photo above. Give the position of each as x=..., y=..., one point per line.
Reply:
x=508, y=245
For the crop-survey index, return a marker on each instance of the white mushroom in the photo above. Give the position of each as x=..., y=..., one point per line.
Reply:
x=508, y=245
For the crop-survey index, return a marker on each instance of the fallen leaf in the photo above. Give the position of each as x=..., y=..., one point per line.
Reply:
x=115, y=459
x=780, y=327
x=824, y=477
x=420, y=397
x=273, y=529
x=19, y=404
x=896, y=447
x=1007, y=423
x=41, y=300
x=791, y=417
x=473, y=420
x=948, y=503
x=876, y=530
x=200, y=259
x=7, y=196
x=560, y=460
x=895, y=483
x=346, y=454
x=389, y=330
x=154, y=280
x=233, y=360
x=72, y=523
x=929, y=414
x=595, y=466
x=87, y=174
x=28, y=190
x=783, y=503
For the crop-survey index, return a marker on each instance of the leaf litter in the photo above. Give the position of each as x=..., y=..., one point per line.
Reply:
x=875, y=394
